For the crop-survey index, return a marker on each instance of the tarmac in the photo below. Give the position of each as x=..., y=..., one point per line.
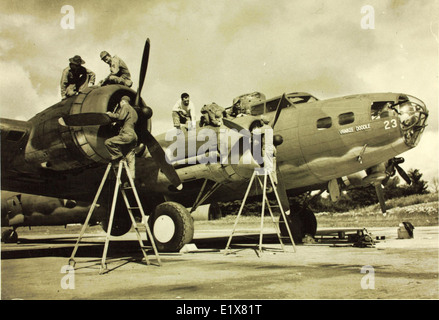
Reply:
x=330, y=268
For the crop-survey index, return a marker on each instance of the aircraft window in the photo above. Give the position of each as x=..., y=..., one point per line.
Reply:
x=302, y=99
x=272, y=105
x=324, y=123
x=380, y=109
x=14, y=135
x=346, y=118
x=257, y=109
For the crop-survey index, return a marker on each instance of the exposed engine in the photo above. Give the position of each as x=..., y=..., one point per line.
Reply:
x=63, y=148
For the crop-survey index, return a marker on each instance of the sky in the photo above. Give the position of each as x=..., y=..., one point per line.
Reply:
x=219, y=49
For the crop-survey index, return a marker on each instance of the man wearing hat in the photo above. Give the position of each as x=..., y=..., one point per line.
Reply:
x=75, y=78
x=124, y=143
x=119, y=73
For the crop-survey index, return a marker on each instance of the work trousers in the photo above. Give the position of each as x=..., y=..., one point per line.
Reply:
x=123, y=145
x=118, y=80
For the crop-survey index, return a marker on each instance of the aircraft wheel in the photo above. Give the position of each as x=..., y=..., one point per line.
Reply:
x=9, y=236
x=295, y=226
x=309, y=222
x=300, y=223
x=121, y=222
x=172, y=226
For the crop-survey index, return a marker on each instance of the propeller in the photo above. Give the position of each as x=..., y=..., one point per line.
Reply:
x=145, y=137
x=85, y=119
x=393, y=164
x=380, y=195
x=293, y=218
x=143, y=68
x=278, y=110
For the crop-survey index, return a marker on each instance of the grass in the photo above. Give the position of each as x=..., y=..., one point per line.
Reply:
x=420, y=210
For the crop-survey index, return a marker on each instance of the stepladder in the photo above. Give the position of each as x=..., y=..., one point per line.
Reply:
x=264, y=177
x=119, y=168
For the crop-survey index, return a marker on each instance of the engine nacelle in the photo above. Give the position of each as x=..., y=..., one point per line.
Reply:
x=62, y=148
x=372, y=175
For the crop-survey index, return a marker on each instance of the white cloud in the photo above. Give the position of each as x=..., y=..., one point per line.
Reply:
x=18, y=98
x=425, y=156
x=216, y=50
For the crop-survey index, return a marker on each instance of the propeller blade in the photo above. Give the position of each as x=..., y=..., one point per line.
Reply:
x=145, y=137
x=380, y=195
x=158, y=155
x=85, y=119
x=143, y=68
x=278, y=110
x=403, y=174
x=232, y=125
x=282, y=192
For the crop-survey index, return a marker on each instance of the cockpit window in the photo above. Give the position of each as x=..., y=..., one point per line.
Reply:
x=15, y=135
x=270, y=106
x=302, y=99
x=380, y=109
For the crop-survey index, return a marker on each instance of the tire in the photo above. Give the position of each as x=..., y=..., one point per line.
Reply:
x=300, y=223
x=309, y=222
x=172, y=226
x=295, y=226
x=121, y=223
x=9, y=236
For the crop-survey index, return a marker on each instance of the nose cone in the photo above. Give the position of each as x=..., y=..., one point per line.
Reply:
x=413, y=116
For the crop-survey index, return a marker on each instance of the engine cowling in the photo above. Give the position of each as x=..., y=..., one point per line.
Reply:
x=59, y=148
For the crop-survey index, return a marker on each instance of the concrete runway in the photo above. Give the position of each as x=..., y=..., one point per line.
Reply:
x=331, y=269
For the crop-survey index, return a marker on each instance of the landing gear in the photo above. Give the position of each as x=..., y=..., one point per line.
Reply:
x=215, y=211
x=301, y=222
x=172, y=226
x=9, y=236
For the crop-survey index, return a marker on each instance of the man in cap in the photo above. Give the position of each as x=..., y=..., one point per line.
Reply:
x=124, y=143
x=183, y=112
x=75, y=78
x=119, y=73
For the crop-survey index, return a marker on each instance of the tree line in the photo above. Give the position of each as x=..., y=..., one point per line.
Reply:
x=349, y=199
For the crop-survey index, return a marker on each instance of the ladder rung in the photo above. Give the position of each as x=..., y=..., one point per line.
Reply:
x=133, y=208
